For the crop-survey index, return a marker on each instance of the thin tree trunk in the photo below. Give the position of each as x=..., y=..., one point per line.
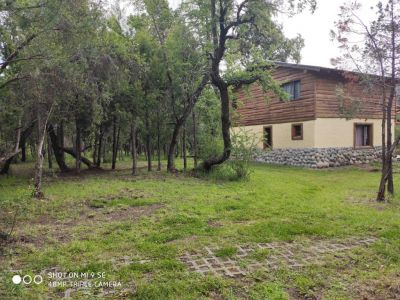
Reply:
x=41, y=134
x=382, y=184
x=158, y=143
x=78, y=148
x=184, y=148
x=172, y=148
x=114, y=144
x=49, y=154
x=7, y=163
x=391, y=97
x=60, y=139
x=23, y=150
x=194, y=140
x=148, y=142
x=134, y=149
x=96, y=141
x=99, y=151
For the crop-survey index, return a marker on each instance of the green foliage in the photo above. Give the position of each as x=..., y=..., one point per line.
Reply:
x=244, y=145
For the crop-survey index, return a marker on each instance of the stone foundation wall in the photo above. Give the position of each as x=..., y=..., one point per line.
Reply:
x=319, y=157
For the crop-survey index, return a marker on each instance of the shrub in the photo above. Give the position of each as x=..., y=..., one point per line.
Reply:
x=243, y=147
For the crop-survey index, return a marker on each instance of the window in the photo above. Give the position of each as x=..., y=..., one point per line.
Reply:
x=292, y=89
x=267, y=138
x=297, y=131
x=363, y=135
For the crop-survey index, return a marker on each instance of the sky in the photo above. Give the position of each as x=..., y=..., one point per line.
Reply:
x=315, y=29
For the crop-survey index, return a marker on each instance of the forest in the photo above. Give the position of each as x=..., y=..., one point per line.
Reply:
x=82, y=79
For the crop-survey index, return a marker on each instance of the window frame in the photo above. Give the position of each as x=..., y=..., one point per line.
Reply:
x=294, y=93
x=370, y=135
x=294, y=136
x=263, y=137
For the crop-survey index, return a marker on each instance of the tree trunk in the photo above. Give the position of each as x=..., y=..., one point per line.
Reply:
x=60, y=139
x=158, y=143
x=6, y=167
x=226, y=124
x=49, y=158
x=23, y=149
x=134, y=149
x=191, y=102
x=194, y=140
x=96, y=141
x=114, y=144
x=41, y=134
x=78, y=148
x=57, y=147
x=184, y=148
x=83, y=159
x=148, y=141
x=172, y=148
x=99, y=151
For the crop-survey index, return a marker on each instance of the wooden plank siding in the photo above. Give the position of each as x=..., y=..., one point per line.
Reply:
x=367, y=101
x=318, y=99
x=254, y=109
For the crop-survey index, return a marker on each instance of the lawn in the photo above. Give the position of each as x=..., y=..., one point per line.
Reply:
x=137, y=229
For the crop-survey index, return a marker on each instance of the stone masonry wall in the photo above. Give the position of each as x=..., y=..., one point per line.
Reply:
x=318, y=157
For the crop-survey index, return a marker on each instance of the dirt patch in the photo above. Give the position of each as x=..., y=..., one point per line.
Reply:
x=126, y=213
x=377, y=290
x=128, y=193
x=47, y=232
x=215, y=224
x=368, y=202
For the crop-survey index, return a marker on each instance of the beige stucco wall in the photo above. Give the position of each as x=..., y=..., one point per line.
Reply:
x=319, y=133
x=282, y=135
x=335, y=132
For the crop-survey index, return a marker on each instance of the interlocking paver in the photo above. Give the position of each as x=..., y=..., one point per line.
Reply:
x=294, y=255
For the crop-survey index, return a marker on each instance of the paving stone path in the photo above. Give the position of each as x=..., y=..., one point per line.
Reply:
x=277, y=253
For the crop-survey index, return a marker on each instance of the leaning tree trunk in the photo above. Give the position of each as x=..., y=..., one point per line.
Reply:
x=37, y=193
x=226, y=124
x=192, y=100
x=172, y=147
x=6, y=166
x=134, y=149
x=57, y=147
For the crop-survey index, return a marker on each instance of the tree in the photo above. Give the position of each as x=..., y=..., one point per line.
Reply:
x=244, y=37
x=376, y=60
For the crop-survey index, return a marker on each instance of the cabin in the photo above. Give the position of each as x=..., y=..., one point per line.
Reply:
x=329, y=119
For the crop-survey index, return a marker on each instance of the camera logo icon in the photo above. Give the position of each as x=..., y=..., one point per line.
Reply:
x=27, y=279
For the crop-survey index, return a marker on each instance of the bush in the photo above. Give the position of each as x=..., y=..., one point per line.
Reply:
x=243, y=147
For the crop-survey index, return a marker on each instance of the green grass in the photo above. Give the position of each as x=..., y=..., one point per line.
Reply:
x=90, y=221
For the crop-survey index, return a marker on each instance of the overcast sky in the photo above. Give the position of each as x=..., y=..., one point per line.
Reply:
x=315, y=28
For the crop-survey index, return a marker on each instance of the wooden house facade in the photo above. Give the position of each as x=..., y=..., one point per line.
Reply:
x=327, y=108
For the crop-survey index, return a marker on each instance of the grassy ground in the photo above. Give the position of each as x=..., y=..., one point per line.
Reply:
x=92, y=222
